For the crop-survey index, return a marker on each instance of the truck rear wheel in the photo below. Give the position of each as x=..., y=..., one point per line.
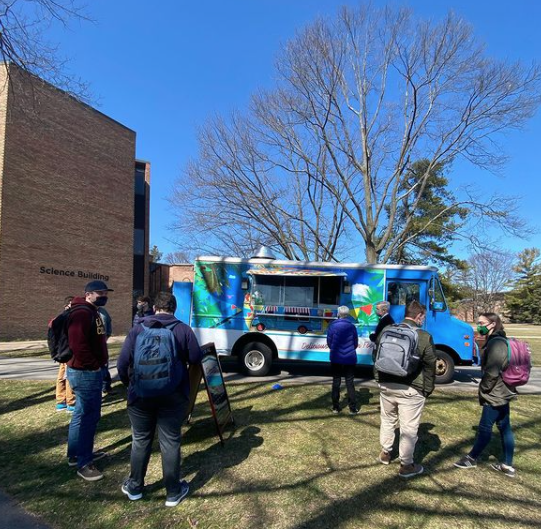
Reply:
x=445, y=367
x=255, y=359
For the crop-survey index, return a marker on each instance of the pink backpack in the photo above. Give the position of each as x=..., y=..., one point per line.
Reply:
x=519, y=365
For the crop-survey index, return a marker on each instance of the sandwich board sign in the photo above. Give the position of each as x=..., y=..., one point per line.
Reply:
x=210, y=371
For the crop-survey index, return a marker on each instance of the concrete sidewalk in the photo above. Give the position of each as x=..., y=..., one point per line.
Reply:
x=15, y=517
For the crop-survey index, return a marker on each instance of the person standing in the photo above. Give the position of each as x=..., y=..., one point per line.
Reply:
x=494, y=397
x=144, y=309
x=65, y=399
x=342, y=339
x=402, y=399
x=88, y=342
x=165, y=409
x=385, y=319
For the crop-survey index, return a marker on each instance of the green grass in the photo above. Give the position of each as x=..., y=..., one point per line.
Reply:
x=287, y=463
x=43, y=352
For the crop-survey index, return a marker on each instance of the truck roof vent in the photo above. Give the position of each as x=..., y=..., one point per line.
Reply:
x=263, y=253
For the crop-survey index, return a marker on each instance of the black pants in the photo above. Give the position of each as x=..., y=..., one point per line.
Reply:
x=166, y=414
x=338, y=371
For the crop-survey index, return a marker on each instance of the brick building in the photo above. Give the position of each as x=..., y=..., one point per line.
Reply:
x=73, y=206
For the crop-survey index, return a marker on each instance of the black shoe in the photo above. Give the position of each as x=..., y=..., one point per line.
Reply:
x=353, y=411
x=336, y=409
x=173, y=501
x=132, y=495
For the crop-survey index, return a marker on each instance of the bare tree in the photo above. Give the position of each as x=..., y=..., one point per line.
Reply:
x=318, y=165
x=24, y=26
x=487, y=276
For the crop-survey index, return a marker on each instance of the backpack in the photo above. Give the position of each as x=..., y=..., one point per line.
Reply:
x=519, y=363
x=57, y=336
x=396, y=352
x=157, y=368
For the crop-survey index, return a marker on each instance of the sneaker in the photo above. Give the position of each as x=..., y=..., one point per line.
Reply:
x=96, y=456
x=466, y=462
x=408, y=471
x=133, y=496
x=173, y=501
x=90, y=473
x=384, y=457
x=504, y=469
x=336, y=409
x=70, y=409
x=61, y=406
x=353, y=411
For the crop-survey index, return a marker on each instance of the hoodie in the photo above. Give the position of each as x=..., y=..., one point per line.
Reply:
x=86, y=336
x=187, y=348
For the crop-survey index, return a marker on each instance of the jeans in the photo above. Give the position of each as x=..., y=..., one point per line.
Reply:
x=500, y=416
x=338, y=371
x=87, y=388
x=401, y=406
x=166, y=414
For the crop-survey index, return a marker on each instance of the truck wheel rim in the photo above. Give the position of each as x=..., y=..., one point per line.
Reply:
x=254, y=360
x=441, y=367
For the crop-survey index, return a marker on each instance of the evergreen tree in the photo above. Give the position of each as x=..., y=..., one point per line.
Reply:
x=524, y=301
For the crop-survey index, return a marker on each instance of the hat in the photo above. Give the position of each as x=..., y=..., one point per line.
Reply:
x=97, y=285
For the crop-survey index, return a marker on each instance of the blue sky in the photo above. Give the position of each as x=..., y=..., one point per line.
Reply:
x=162, y=68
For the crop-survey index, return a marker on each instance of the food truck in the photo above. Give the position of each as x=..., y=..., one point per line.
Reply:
x=262, y=309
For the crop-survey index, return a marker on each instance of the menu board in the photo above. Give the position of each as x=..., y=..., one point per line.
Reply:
x=211, y=372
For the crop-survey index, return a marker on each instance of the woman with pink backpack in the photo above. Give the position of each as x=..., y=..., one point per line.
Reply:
x=494, y=396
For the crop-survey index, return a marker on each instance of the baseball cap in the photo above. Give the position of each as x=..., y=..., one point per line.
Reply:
x=97, y=285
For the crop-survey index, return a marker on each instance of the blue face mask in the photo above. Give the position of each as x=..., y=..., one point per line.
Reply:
x=100, y=301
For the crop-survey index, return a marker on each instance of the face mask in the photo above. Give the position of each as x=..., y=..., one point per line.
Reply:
x=100, y=301
x=482, y=330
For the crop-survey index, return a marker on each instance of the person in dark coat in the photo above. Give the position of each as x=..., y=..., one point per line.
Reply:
x=144, y=309
x=162, y=413
x=343, y=340
x=494, y=397
x=382, y=310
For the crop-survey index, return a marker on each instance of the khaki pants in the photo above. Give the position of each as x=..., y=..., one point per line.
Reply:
x=401, y=406
x=63, y=388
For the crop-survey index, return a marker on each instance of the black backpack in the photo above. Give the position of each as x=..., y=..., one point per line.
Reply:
x=57, y=336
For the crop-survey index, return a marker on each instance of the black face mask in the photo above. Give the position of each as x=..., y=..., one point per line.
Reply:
x=100, y=301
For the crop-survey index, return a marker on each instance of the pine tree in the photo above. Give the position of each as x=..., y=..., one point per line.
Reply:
x=524, y=301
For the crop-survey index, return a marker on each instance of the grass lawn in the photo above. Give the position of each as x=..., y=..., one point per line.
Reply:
x=288, y=463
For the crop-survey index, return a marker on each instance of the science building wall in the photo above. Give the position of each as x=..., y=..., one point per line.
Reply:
x=66, y=206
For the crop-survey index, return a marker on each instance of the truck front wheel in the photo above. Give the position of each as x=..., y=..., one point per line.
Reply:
x=255, y=359
x=445, y=367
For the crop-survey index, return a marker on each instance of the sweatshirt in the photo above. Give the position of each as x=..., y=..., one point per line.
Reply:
x=86, y=336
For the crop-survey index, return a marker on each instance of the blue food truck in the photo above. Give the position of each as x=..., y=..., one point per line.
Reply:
x=263, y=309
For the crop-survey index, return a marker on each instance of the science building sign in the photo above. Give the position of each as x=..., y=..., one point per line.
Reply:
x=72, y=273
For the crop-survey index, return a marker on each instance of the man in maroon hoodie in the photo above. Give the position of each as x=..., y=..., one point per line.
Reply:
x=88, y=342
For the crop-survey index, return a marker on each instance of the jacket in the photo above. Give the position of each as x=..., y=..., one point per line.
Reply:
x=139, y=315
x=492, y=389
x=86, y=336
x=342, y=339
x=186, y=345
x=383, y=322
x=424, y=379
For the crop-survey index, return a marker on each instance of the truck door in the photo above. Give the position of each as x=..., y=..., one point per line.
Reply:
x=402, y=292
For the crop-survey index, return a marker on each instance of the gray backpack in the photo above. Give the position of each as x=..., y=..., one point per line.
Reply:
x=397, y=351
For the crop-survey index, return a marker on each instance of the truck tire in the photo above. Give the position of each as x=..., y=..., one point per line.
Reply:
x=255, y=359
x=445, y=367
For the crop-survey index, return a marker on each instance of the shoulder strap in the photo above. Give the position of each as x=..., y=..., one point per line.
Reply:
x=506, y=340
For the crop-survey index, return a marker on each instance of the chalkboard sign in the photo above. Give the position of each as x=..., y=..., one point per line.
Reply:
x=211, y=372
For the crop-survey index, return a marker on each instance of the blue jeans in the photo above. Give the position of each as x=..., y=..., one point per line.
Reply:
x=87, y=388
x=500, y=416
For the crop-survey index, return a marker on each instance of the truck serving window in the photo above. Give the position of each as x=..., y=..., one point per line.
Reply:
x=296, y=291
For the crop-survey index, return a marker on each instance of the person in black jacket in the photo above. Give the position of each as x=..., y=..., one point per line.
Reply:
x=494, y=397
x=382, y=310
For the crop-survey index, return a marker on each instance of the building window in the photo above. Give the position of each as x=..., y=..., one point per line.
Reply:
x=138, y=242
